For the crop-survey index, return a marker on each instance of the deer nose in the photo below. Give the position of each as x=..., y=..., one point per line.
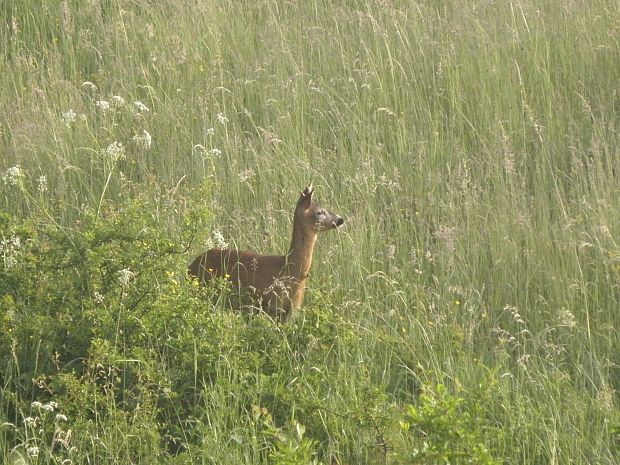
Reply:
x=339, y=222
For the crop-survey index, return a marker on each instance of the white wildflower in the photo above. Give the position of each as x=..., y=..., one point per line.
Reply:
x=98, y=297
x=209, y=132
x=42, y=184
x=90, y=86
x=60, y=417
x=50, y=407
x=30, y=421
x=33, y=451
x=218, y=238
x=102, y=105
x=68, y=117
x=115, y=151
x=567, y=318
x=9, y=249
x=221, y=118
x=118, y=101
x=15, y=242
x=36, y=404
x=125, y=276
x=140, y=107
x=143, y=140
x=215, y=152
x=13, y=176
x=10, y=261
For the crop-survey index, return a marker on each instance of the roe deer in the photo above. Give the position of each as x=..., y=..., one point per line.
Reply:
x=279, y=281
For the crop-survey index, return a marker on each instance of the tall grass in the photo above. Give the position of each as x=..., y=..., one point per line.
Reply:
x=472, y=149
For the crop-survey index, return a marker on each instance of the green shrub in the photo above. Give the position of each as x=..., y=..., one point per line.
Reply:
x=447, y=429
x=87, y=312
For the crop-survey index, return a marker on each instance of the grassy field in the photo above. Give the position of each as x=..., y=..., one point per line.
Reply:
x=467, y=313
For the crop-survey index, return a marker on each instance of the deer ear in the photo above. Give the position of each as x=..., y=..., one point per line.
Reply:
x=306, y=196
x=309, y=190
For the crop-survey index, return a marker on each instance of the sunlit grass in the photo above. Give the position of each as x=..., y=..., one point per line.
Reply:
x=472, y=150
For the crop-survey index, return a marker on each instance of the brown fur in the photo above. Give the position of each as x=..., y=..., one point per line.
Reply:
x=279, y=281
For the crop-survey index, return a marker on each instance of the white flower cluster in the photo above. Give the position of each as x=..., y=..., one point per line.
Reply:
x=125, y=276
x=118, y=101
x=115, y=151
x=221, y=118
x=102, y=105
x=143, y=140
x=36, y=430
x=42, y=184
x=203, y=152
x=9, y=249
x=13, y=176
x=218, y=238
x=68, y=117
x=49, y=407
x=90, y=86
x=98, y=297
x=140, y=107
x=36, y=426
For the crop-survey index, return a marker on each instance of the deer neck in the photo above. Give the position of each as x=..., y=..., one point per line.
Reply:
x=299, y=258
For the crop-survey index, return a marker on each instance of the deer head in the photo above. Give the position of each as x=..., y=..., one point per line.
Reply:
x=311, y=216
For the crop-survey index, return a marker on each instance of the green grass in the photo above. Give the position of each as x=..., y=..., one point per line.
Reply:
x=473, y=151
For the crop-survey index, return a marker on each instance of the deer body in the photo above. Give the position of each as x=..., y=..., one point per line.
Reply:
x=279, y=281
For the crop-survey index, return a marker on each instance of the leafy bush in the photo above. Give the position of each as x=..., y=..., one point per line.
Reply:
x=84, y=320
x=445, y=428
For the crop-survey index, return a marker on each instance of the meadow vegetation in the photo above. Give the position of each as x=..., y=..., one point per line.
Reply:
x=467, y=313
